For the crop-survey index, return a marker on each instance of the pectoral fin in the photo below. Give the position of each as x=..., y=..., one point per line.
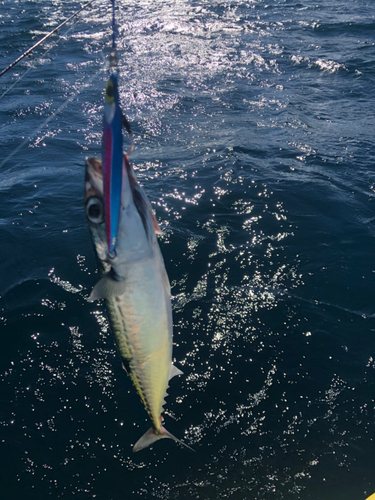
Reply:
x=108, y=287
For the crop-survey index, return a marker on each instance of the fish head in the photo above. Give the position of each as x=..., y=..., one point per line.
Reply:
x=136, y=239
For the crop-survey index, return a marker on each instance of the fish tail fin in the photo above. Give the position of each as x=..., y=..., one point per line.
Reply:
x=171, y=436
x=151, y=436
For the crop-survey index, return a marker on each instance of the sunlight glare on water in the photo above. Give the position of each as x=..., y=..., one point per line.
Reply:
x=253, y=133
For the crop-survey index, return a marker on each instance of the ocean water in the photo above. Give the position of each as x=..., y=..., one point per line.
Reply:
x=254, y=133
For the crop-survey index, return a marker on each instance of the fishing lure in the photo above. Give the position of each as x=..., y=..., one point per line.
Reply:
x=112, y=149
x=112, y=160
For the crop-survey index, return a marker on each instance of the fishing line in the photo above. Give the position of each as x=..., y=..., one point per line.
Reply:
x=113, y=26
x=113, y=55
x=63, y=105
x=25, y=54
x=34, y=66
x=113, y=61
x=113, y=64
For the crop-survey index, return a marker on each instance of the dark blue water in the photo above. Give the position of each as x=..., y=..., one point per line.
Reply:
x=254, y=126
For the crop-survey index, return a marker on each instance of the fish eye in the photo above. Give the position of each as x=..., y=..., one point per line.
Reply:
x=95, y=210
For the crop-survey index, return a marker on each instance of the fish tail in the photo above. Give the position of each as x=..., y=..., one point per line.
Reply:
x=152, y=435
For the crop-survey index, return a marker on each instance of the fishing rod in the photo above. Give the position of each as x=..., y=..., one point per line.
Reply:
x=64, y=104
x=25, y=54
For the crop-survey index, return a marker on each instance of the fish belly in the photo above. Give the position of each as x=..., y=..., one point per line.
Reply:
x=141, y=321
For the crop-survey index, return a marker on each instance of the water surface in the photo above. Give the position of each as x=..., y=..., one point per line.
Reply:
x=253, y=126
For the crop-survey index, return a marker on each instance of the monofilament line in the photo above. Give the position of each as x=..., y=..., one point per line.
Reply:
x=34, y=66
x=25, y=54
x=63, y=105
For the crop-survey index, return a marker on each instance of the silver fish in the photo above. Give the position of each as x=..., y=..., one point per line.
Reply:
x=136, y=288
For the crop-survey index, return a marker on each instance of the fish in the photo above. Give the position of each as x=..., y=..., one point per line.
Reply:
x=136, y=289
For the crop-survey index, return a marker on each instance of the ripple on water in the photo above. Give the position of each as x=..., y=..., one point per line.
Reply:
x=247, y=139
